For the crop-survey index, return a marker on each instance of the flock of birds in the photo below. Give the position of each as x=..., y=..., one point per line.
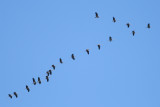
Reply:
x=72, y=56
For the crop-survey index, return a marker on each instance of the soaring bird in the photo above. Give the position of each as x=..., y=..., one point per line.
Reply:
x=148, y=26
x=73, y=56
x=110, y=38
x=133, y=32
x=114, y=20
x=47, y=78
x=27, y=88
x=15, y=94
x=39, y=80
x=60, y=60
x=53, y=67
x=96, y=15
x=47, y=73
x=99, y=46
x=87, y=50
x=34, y=82
x=128, y=25
x=10, y=96
x=50, y=72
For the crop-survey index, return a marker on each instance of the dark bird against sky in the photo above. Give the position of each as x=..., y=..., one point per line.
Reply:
x=39, y=80
x=87, y=50
x=15, y=94
x=73, y=56
x=27, y=88
x=34, y=82
x=96, y=15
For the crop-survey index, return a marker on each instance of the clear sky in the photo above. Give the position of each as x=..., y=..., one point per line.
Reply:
x=34, y=34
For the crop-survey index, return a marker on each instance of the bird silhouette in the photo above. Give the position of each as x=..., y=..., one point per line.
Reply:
x=73, y=56
x=47, y=78
x=133, y=32
x=39, y=80
x=87, y=50
x=114, y=20
x=34, y=82
x=15, y=94
x=10, y=96
x=50, y=72
x=96, y=15
x=47, y=73
x=99, y=46
x=60, y=60
x=53, y=67
x=128, y=25
x=148, y=26
x=110, y=39
x=27, y=88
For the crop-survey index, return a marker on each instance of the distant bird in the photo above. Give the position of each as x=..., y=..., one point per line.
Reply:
x=148, y=26
x=110, y=39
x=73, y=56
x=15, y=94
x=27, y=88
x=47, y=73
x=60, y=60
x=53, y=67
x=39, y=80
x=34, y=82
x=128, y=25
x=99, y=46
x=87, y=50
x=114, y=20
x=47, y=78
x=96, y=15
x=10, y=96
x=50, y=72
x=133, y=32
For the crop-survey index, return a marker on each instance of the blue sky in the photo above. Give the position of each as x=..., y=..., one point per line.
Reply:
x=34, y=34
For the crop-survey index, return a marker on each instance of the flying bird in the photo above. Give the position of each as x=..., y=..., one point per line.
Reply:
x=47, y=73
x=73, y=56
x=10, y=96
x=50, y=72
x=99, y=46
x=148, y=26
x=60, y=60
x=87, y=50
x=53, y=67
x=27, y=88
x=39, y=80
x=34, y=82
x=133, y=32
x=47, y=78
x=96, y=15
x=114, y=20
x=110, y=38
x=15, y=94
x=128, y=25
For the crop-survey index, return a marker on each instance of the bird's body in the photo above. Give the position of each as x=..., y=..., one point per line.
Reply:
x=27, y=88
x=133, y=32
x=110, y=39
x=50, y=72
x=96, y=15
x=73, y=56
x=99, y=46
x=114, y=19
x=47, y=73
x=148, y=26
x=60, y=60
x=34, y=82
x=15, y=94
x=53, y=67
x=87, y=50
x=39, y=80
x=47, y=78
x=10, y=96
x=128, y=25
